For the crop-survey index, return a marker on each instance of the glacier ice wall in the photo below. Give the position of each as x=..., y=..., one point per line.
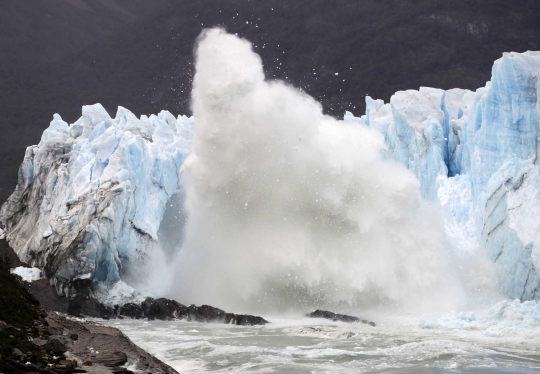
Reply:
x=91, y=195
x=477, y=154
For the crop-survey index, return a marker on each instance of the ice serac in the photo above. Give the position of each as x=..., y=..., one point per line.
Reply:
x=477, y=154
x=91, y=195
x=416, y=125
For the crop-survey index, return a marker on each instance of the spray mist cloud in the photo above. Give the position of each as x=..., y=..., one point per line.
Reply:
x=286, y=203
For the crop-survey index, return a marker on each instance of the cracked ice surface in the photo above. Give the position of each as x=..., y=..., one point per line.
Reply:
x=477, y=154
x=91, y=195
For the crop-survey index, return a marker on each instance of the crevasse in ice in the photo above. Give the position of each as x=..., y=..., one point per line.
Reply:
x=91, y=195
x=477, y=154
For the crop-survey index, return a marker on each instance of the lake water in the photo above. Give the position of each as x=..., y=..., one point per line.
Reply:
x=451, y=343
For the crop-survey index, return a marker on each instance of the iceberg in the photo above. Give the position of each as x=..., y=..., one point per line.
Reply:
x=476, y=154
x=91, y=195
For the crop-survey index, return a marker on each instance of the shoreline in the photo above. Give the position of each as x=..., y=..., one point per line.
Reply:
x=35, y=338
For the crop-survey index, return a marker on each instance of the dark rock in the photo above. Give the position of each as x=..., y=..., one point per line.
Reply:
x=83, y=303
x=247, y=320
x=56, y=346
x=122, y=371
x=47, y=296
x=54, y=330
x=337, y=317
x=68, y=364
x=206, y=313
x=163, y=309
x=113, y=347
x=131, y=310
x=8, y=257
x=18, y=307
x=46, y=334
x=89, y=307
x=17, y=354
x=166, y=309
x=111, y=359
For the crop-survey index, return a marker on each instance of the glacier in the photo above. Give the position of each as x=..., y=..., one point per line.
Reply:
x=476, y=154
x=91, y=195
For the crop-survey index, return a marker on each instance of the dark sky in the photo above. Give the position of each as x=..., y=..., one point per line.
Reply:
x=58, y=55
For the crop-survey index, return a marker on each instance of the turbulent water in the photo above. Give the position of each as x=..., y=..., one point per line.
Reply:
x=289, y=210
x=318, y=346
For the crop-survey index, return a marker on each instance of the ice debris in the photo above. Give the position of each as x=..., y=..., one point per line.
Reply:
x=27, y=274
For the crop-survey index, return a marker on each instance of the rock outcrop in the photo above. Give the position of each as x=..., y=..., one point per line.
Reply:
x=338, y=317
x=102, y=346
x=166, y=309
x=33, y=340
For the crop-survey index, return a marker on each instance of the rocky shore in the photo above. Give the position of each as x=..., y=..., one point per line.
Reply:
x=36, y=339
x=42, y=332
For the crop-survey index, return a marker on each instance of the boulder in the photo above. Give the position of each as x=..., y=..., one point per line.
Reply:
x=206, y=313
x=247, y=320
x=337, y=317
x=167, y=309
x=17, y=354
x=131, y=310
x=111, y=359
x=163, y=309
x=56, y=346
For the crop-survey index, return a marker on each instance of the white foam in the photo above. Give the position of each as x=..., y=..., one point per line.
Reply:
x=288, y=206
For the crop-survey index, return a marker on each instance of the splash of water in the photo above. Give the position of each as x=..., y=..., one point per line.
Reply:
x=289, y=207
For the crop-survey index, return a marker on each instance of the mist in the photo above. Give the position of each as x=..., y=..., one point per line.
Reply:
x=291, y=209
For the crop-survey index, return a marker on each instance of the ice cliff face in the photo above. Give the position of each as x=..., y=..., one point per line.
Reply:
x=91, y=195
x=477, y=154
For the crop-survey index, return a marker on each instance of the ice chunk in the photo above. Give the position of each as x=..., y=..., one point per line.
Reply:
x=27, y=274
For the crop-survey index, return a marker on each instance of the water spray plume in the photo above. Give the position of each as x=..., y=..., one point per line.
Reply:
x=290, y=207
